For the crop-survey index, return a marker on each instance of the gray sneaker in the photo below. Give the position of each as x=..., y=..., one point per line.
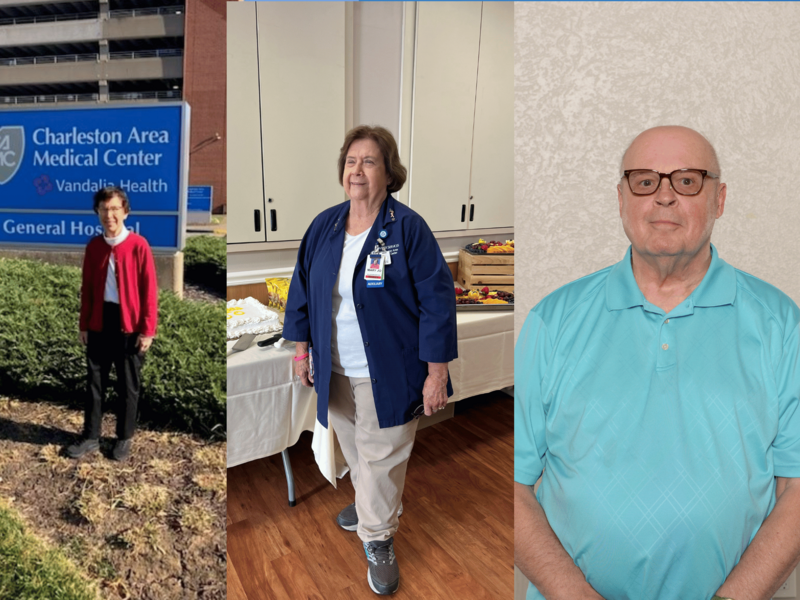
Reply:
x=348, y=518
x=84, y=447
x=383, y=574
x=122, y=449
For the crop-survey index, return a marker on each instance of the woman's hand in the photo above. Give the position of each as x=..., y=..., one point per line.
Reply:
x=143, y=343
x=302, y=368
x=434, y=392
x=303, y=371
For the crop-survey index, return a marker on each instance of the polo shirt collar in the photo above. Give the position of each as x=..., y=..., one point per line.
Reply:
x=718, y=287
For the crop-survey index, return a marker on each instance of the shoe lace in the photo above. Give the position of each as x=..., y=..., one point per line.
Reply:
x=380, y=554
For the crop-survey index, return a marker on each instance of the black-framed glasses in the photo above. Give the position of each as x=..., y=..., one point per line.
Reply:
x=686, y=182
x=419, y=411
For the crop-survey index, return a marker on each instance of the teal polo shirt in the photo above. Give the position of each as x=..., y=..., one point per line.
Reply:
x=659, y=434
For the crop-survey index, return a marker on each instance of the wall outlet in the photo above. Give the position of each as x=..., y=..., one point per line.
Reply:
x=789, y=587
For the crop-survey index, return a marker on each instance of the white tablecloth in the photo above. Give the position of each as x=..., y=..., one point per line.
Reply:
x=485, y=360
x=268, y=410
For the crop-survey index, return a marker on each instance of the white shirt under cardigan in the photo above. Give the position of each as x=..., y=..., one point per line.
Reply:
x=347, y=346
x=111, y=293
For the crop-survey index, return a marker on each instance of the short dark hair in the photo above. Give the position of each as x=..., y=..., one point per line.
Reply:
x=395, y=172
x=107, y=193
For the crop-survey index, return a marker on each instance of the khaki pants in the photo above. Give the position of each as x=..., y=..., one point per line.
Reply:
x=377, y=457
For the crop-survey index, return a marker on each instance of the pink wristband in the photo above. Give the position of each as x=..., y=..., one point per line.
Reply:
x=299, y=358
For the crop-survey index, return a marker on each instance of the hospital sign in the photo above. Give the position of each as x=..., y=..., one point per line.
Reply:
x=52, y=161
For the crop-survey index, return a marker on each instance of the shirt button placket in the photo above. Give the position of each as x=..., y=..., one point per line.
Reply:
x=666, y=351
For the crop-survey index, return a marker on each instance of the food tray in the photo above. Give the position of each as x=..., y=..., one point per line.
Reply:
x=483, y=307
x=485, y=253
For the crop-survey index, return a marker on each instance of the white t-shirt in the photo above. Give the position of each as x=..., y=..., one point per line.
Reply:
x=347, y=347
x=111, y=293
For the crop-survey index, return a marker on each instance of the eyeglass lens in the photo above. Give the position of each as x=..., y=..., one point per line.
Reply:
x=686, y=182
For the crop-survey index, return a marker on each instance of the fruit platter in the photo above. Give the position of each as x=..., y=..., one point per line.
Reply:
x=483, y=299
x=491, y=247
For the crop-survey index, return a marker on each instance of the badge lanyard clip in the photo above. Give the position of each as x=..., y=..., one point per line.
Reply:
x=383, y=250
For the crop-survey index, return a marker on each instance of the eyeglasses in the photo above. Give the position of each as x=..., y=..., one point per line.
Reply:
x=686, y=182
x=114, y=209
x=419, y=411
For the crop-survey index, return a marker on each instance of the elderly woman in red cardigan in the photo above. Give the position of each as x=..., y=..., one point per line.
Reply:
x=119, y=309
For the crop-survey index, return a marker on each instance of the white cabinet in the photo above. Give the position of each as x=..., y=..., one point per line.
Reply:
x=286, y=116
x=492, y=183
x=462, y=139
x=245, y=186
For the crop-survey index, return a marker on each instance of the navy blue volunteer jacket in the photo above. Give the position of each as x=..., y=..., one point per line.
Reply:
x=406, y=324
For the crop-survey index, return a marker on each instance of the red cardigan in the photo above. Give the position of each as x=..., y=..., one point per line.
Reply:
x=136, y=282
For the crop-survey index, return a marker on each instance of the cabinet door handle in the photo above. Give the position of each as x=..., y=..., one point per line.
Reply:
x=463, y=211
x=471, y=212
x=273, y=219
x=257, y=219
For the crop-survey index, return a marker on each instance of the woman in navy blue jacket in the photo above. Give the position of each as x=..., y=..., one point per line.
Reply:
x=372, y=307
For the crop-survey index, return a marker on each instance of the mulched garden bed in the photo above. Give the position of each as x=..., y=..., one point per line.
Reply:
x=152, y=528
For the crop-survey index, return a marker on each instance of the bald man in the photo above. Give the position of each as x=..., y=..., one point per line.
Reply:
x=658, y=401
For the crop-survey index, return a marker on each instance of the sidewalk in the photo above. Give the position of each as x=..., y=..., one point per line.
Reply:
x=218, y=227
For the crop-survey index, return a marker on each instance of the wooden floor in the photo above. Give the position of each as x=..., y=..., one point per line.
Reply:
x=456, y=533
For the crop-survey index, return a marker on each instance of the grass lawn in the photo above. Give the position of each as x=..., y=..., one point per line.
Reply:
x=32, y=570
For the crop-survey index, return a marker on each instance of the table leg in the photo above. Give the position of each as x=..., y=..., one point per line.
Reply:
x=287, y=466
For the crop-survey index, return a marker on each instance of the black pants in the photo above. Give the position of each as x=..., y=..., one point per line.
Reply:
x=104, y=349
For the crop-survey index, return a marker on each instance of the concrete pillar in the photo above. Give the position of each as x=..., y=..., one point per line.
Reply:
x=103, y=50
x=103, y=85
x=169, y=267
x=103, y=10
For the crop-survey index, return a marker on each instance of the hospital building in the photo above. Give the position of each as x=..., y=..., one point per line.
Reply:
x=89, y=53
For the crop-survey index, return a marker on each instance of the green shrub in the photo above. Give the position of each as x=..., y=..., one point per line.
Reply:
x=31, y=571
x=205, y=261
x=183, y=379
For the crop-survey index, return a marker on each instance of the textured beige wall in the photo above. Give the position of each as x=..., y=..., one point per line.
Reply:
x=590, y=76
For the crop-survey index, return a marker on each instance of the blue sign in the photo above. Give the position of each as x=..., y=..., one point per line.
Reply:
x=53, y=161
x=200, y=198
x=68, y=229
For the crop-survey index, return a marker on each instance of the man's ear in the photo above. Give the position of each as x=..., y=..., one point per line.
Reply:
x=721, y=193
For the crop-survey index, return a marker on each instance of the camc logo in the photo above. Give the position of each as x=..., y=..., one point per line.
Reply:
x=12, y=149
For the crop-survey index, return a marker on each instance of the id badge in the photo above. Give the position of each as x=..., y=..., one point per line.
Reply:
x=374, y=271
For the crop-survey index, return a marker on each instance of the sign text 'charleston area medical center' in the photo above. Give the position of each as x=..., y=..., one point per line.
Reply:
x=53, y=161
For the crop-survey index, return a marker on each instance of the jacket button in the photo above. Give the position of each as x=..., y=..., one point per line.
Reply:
x=359, y=306
x=366, y=343
x=374, y=381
